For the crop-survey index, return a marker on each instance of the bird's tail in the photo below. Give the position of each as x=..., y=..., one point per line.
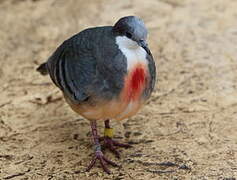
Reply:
x=43, y=69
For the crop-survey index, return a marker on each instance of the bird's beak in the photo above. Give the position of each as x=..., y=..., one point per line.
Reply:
x=144, y=45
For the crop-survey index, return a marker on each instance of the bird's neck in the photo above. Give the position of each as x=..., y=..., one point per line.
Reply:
x=134, y=54
x=135, y=81
x=124, y=42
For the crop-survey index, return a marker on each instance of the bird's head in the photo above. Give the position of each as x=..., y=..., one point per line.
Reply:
x=131, y=31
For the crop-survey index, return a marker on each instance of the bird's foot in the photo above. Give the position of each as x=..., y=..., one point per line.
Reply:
x=103, y=162
x=111, y=145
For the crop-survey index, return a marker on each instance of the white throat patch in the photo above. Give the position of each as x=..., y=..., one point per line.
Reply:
x=134, y=53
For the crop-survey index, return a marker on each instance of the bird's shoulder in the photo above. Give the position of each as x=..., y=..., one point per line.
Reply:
x=152, y=72
x=87, y=62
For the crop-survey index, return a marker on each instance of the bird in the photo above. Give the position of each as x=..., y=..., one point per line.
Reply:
x=105, y=73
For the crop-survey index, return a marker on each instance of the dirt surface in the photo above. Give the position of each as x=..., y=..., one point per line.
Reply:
x=188, y=129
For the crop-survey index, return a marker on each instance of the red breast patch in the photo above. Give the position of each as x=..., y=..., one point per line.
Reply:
x=135, y=83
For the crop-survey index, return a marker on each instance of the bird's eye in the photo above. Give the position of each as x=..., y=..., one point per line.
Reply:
x=128, y=34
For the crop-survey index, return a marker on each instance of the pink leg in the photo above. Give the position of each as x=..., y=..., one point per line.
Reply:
x=110, y=143
x=98, y=153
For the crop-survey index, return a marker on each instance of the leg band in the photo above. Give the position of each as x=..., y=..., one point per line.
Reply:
x=109, y=132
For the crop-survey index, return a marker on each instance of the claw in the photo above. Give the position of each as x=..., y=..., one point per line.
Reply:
x=121, y=145
x=113, y=150
x=110, y=144
x=103, y=161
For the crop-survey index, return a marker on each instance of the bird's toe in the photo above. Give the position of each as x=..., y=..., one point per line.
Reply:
x=103, y=162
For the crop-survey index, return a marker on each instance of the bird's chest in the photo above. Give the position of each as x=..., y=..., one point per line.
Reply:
x=130, y=99
x=134, y=83
x=137, y=75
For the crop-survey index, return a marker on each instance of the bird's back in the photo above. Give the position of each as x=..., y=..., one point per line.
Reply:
x=94, y=74
x=105, y=73
x=83, y=66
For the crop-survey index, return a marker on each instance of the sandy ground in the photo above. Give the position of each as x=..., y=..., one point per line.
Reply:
x=188, y=130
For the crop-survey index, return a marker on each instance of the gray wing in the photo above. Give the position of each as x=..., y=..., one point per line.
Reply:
x=71, y=71
x=88, y=66
x=152, y=71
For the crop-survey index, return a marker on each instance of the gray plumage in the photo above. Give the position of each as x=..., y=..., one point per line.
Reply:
x=90, y=64
x=152, y=70
x=43, y=69
x=104, y=73
x=132, y=27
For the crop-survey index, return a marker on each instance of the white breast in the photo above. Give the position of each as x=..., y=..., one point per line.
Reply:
x=134, y=53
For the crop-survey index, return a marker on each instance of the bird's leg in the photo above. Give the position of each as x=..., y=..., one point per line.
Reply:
x=98, y=153
x=109, y=142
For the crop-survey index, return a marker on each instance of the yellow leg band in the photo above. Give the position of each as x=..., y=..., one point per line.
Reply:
x=109, y=132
